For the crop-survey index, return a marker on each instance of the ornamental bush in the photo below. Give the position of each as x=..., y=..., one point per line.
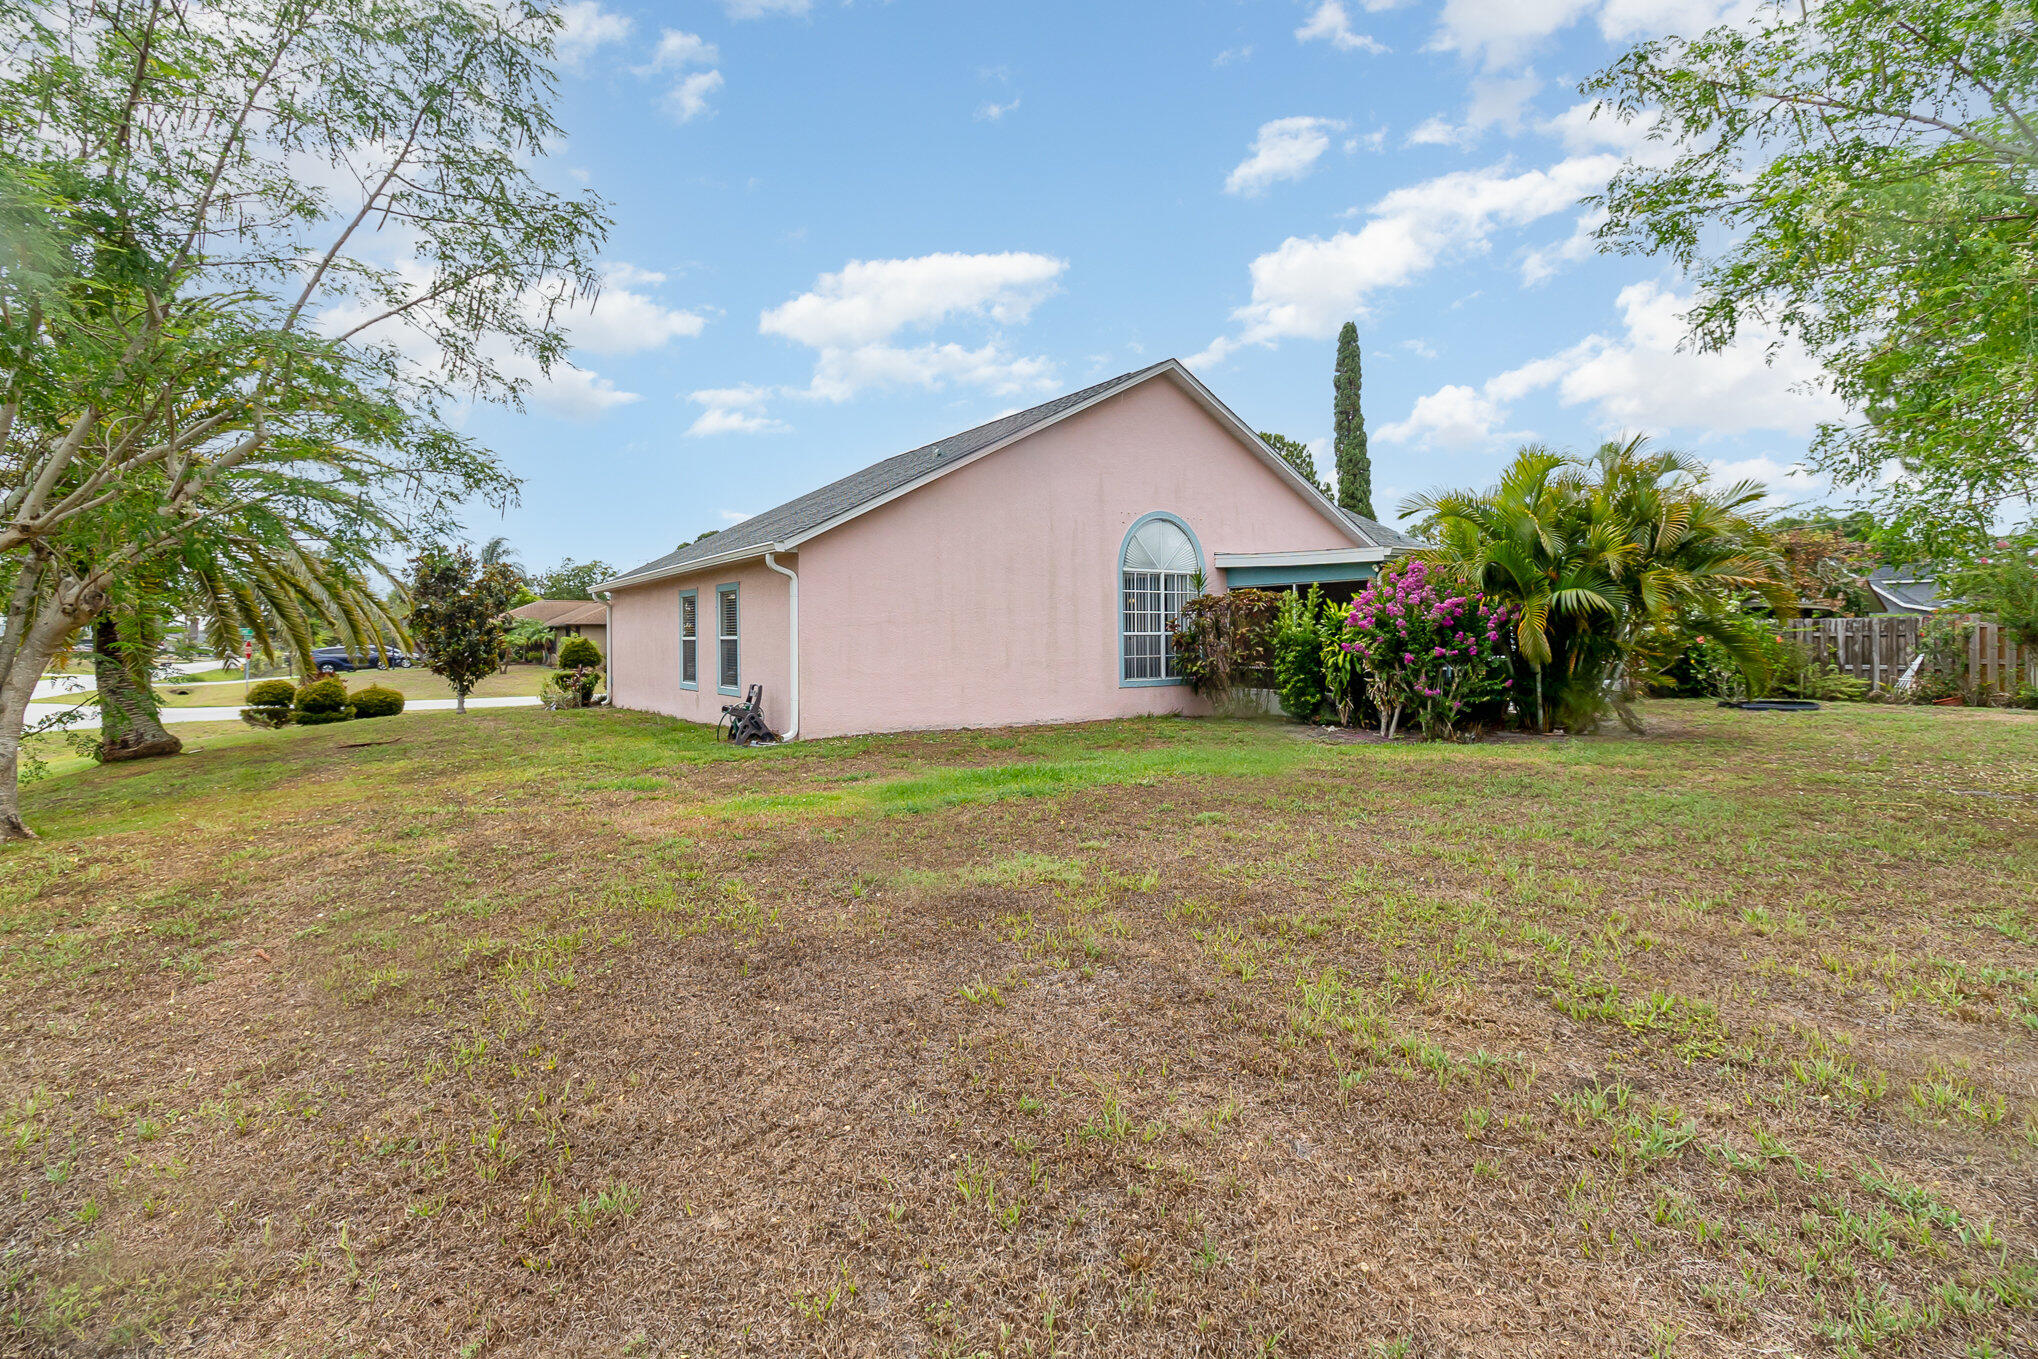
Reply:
x=1298, y=655
x=1433, y=650
x=579, y=653
x=1224, y=643
x=323, y=701
x=272, y=693
x=377, y=700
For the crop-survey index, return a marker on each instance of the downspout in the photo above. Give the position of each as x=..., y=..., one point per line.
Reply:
x=793, y=732
x=608, y=655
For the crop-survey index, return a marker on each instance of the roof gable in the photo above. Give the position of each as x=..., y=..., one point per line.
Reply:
x=784, y=527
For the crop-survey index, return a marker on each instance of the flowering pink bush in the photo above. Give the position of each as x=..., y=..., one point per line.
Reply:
x=1432, y=648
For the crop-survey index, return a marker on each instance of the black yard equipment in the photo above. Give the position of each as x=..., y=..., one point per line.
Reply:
x=746, y=720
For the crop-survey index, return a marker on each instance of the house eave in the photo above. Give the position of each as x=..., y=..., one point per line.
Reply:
x=688, y=568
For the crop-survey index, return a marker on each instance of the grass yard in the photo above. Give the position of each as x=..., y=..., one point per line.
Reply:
x=538, y=1033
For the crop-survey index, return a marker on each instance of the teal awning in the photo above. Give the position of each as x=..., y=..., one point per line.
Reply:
x=1279, y=570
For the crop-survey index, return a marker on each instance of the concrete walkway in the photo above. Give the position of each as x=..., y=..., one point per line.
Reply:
x=171, y=716
x=66, y=685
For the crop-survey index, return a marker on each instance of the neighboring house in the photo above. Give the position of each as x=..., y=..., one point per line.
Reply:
x=1023, y=571
x=568, y=618
x=1910, y=589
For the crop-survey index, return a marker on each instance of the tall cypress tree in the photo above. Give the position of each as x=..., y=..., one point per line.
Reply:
x=1348, y=429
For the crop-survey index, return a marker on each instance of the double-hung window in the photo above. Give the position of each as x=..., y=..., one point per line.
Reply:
x=729, y=675
x=690, y=639
x=1156, y=576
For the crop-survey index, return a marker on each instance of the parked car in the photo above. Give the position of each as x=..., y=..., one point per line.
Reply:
x=334, y=659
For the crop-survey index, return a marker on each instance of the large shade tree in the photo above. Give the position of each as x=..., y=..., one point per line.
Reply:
x=1862, y=175
x=255, y=251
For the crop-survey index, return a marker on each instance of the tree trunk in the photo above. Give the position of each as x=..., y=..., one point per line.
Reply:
x=459, y=700
x=129, y=726
x=31, y=638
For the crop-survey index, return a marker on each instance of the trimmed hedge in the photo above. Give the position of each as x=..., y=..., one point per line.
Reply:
x=272, y=693
x=576, y=653
x=322, y=696
x=323, y=701
x=268, y=717
x=377, y=700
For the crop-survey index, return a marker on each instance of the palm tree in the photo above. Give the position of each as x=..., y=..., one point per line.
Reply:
x=1590, y=550
x=277, y=594
x=498, y=552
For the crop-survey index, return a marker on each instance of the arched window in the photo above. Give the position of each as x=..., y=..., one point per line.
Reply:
x=1156, y=575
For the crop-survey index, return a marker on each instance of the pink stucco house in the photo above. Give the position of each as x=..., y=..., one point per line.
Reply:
x=1023, y=571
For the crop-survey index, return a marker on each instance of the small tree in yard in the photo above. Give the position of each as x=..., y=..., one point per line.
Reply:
x=457, y=616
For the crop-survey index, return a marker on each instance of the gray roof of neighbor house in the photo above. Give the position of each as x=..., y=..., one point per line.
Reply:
x=799, y=517
x=561, y=613
x=1907, y=589
x=1381, y=535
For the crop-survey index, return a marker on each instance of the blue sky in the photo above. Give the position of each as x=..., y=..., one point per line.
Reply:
x=842, y=230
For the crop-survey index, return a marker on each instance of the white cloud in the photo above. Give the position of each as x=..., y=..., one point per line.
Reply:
x=1643, y=379
x=841, y=373
x=1499, y=102
x=678, y=54
x=1309, y=285
x=733, y=516
x=623, y=321
x=1502, y=32
x=743, y=396
x=1454, y=416
x=765, y=9
x=688, y=99
x=721, y=420
x=1581, y=131
x=630, y=276
x=572, y=392
x=585, y=26
x=1435, y=130
x=1231, y=54
x=677, y=50
x=1330, y=23
x=1286, y=148
x=852, y=319
x=734, y=410
x=991, y=111
x=619, y=321
x=874, y=299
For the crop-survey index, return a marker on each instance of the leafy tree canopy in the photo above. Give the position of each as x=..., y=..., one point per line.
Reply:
x=571, y=579
x=252, y=255
x=1862, y=175
x=457, y=615
x=1297, y=455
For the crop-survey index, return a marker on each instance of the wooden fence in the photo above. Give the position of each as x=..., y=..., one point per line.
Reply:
x=1879, y=650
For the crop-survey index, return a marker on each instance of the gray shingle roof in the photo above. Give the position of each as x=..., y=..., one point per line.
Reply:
x=1907, y=589
x=1379, y=533
x=815, y=508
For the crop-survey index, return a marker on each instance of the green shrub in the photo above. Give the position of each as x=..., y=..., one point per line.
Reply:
x=274, y=693
x=1225, y=643
x=323, y=701
x=271, y=717
x=1298, y=655
x=578, y=653
x=377, y=700
x=570, y=688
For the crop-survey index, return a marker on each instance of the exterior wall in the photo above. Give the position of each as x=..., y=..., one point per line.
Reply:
x=990, y=596
x=644, y=666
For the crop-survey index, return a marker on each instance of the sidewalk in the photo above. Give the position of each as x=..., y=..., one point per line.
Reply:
x=172, y=716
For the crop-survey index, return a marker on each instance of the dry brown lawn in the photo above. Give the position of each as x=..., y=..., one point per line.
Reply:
x=540, y=1033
